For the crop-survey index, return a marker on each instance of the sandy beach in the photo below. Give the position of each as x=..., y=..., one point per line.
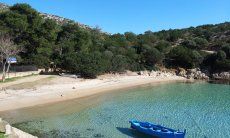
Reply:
x=44, y=89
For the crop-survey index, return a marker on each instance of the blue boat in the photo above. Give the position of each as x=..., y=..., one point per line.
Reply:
x=156, y=130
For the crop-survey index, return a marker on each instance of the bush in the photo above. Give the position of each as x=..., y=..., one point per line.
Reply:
x=226, y=49
x=162, y=46
x=221, y=55
x=217, y=62
x=190, y=44
x=222, y=65
x=119, y=63
x=200, y=42
x=184, y=57
x=196, y=43
x=91, y=64
x=151, y=57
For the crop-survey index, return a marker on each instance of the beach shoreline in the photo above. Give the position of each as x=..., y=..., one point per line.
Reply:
x=41, y=90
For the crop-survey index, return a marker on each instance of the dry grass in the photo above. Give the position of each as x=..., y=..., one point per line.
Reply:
x=17, y=78
x=31, y=85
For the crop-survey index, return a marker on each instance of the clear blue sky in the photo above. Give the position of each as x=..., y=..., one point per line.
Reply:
x=137, y=16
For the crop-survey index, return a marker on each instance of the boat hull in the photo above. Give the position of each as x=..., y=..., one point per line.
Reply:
x=150, y=129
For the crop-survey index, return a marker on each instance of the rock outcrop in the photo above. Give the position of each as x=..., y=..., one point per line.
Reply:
x=12, y=132
x=3, y=6
x=3, y=126
x=196, y=74
x=62, y=20
x=221, y=76
x=130, y=73
x=157, y=73
x=193, y=74
x=182, y=72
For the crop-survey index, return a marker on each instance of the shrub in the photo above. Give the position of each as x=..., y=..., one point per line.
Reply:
x=184, y=57
x=226, y=49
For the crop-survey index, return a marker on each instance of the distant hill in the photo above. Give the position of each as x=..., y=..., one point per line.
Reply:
x=215, y=33
x=58, y=19
x=204, y=37
x=77, y=48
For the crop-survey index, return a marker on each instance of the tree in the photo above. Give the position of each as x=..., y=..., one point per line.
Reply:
x=90, y=52
x=148, y=38
x=131, y=38
x=196, y=58
x=200, y=42
x=185, y=57
x=120, y=63
x=47, y=37
x=221, y=55
x=222, y=65
x=196, y=43
x=163, y=46
x=190, y=43
x=7, y=50
x=33, y=17
x=16, y=22
x=173, y=35
x=118, y=40
x=70, y=62
x=98, y=39
x=91, y=64
x=226, y=49
x=151, y=56
x=217, y=62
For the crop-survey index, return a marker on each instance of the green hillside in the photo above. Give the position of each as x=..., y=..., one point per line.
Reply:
x=77, y=48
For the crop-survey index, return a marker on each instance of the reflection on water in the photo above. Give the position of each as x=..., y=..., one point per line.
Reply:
x=201, y=108
x=220, y=82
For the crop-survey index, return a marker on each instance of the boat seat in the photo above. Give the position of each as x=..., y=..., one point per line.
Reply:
x=164, y=130
x=155, y=128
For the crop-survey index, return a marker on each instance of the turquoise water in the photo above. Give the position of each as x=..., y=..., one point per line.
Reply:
x=201, y=108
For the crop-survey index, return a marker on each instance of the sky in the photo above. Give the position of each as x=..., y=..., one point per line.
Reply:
x=138, y=16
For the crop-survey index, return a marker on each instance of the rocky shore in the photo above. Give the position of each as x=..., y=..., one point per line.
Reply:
x=12, y=132
x=193, y=74
x=221, y=76
x=202, y=75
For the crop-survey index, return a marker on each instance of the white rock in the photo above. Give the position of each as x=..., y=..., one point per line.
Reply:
x=8, y=129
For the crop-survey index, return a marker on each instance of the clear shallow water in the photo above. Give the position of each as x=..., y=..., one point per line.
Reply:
x=201, y=108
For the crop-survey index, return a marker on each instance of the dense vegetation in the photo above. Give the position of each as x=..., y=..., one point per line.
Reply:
x=90, y=52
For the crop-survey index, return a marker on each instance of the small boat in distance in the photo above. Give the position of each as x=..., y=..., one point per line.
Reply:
x=156, y=130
